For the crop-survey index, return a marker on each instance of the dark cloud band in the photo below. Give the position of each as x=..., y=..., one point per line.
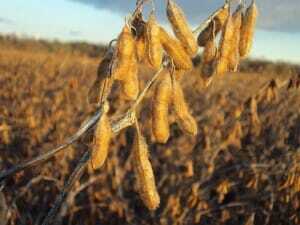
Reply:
x=274, y=14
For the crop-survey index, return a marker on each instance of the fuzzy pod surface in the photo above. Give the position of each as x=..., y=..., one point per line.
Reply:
x=144, y=173
x=160, y=109
x=181, y=28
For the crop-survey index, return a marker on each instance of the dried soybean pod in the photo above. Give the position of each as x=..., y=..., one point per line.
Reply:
x=234, y=58
x=247, y=29
x=102, y=84
x=124, y=55
x=205, y=35
x=125, y=67
x=226, y=43
x=153, y=46
x=138, y=25
x=174, y=49
x=160, y=108
x=184, y=118
x=102, y=139
x=144, y=173
x=210, y=51
x=219, y=20
x=208, y=59
x=221, y=17
x=181, y=28
x=140, y=30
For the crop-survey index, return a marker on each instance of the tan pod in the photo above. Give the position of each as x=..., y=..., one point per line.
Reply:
x=144, y=173
x=185, y=120
x=208, y=59
x=160, y=109
x=124, y=55
x=102, y=139
x=222, y=62
x=234, y=58
x=130, y=86
x=154, y=48
x=102, y=84
x=125, y=67
x=247, y=29
x=181, y=28
x=175, y=50
x=218, y=21
x=139, y=30
x=222, y=16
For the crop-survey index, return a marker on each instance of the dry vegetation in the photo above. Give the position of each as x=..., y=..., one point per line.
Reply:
x=44, y=101
x=241, y=167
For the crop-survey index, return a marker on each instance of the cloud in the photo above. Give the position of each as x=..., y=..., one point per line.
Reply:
x=6, y=21
x=276, y=15
x=75, y=33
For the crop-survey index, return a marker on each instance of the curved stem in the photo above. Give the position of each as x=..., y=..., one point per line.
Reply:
x=76, y=175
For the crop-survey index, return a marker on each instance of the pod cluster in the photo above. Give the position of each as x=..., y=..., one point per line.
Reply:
x=236, y=31
x=147, y=42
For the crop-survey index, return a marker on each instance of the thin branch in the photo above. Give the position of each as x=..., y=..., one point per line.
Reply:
x=218, y=208
x=76, y=175
x=35, y=180
x=91, y=181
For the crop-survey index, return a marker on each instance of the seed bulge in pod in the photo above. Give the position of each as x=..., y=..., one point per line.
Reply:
x=130, y=86
x=124, y=55
x=125, y=67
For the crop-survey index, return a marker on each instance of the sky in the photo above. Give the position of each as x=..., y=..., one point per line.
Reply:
x=99, y=21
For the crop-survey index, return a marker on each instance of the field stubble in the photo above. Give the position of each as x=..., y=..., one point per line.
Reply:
x=242, y=166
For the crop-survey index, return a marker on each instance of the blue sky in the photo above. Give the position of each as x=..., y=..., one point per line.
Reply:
x=277, y=38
